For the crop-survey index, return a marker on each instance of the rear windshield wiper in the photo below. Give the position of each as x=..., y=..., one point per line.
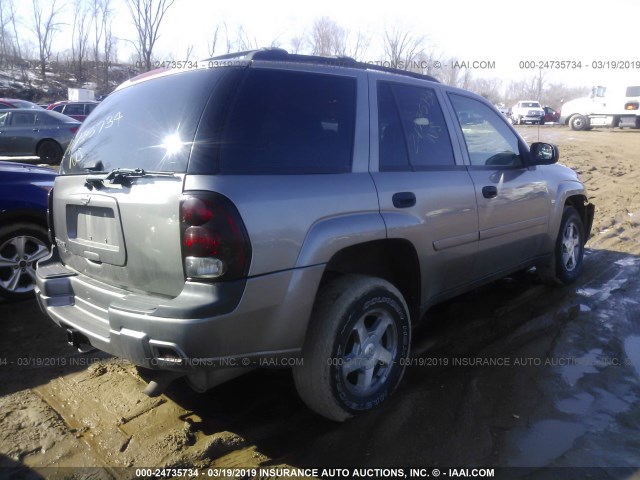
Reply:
x=123, y=176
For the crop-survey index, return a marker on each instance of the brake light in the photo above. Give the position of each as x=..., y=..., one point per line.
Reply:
x=215, y=243
x=74, y=129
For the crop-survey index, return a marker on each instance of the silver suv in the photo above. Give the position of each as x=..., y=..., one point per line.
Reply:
x=268, y=209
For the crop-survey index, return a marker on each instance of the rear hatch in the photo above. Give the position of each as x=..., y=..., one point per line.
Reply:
x=116, y=203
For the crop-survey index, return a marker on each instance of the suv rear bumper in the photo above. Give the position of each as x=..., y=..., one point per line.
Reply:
x=207, y=325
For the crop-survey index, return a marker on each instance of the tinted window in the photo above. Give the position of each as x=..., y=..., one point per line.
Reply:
x=283, y=122
x=59, y=108
x=20, y=119
x=392, y=146
x=3, y=118
x=490, y=142
x=149, y=125
x=413, y=133
x=89, y=107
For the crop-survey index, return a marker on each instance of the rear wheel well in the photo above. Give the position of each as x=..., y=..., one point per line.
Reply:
x=394, y=260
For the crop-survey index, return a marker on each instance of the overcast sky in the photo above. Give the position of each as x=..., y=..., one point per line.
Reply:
x=501, y=31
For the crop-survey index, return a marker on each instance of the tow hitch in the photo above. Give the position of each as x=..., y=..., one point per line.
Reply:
x=79, y=341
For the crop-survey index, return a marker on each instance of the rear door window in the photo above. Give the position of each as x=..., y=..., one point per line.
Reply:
x=282, y=122
x=412, y=130
x=21, y=119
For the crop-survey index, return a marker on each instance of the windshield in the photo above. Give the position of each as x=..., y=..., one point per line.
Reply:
x=54, y=117
x=149, y=125
x=633, y=91
x=531, y=105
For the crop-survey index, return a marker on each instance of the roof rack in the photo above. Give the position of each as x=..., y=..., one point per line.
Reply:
x=281, y=55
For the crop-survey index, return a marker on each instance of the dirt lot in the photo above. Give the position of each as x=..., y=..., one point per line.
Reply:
x=516, y=374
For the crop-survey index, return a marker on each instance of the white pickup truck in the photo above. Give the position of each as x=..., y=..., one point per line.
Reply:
x=527, y=111
x=605, y=107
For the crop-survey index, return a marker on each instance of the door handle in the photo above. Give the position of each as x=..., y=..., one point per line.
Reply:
x=489, y=191
x=404, y=199
x=36, y=129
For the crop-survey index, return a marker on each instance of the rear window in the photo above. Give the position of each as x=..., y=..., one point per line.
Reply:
x=149, y=125
x=74, y=109
x=279, y=123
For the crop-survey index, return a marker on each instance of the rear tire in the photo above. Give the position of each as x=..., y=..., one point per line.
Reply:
x=352, y=357
x=50, y=152
x=21, y=246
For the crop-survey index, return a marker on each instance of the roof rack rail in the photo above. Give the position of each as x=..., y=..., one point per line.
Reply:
x=281, y=55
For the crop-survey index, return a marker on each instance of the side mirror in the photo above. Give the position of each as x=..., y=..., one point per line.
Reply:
x=543, y=153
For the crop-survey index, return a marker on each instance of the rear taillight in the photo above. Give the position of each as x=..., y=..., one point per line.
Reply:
x=215, y=243
x=74, y=129
x=52, y=233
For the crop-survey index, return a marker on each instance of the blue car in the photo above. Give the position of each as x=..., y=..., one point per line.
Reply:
x=23, y=226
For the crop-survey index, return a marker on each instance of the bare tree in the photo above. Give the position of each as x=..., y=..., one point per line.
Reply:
x=109, y=51
x=525, y=89
x=80, y=37
x=147, y=17
x=297, y=43
x=402, y=48
x=244, y=42
x=449, y=72
x=5, y=36
x=357, y=47
x=556, y=94
x=101, y=11
x=187, y=56
x=327, y=38
x=44, y=26
x=428, y=63
x=489, y=88
x=214, y=41
x=13, y=18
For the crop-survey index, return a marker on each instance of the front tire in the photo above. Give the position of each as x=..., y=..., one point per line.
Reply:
x=579, y=123
x=21, y=246
x=352, y=357
x=568, y=251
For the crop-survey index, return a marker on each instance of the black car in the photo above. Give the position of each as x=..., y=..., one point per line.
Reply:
x=36, y=132
x=23, y=226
